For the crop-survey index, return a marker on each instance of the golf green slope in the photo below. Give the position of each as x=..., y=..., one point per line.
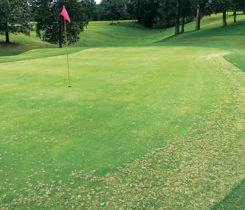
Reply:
x=151, y=121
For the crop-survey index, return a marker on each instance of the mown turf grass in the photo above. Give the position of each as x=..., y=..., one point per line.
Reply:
x=151, y=120
x=235, y=198
x=20, y=43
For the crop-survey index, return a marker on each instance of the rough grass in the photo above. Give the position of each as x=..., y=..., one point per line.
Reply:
x=159, y=124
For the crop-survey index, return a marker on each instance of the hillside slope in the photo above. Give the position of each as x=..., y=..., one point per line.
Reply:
x=21, y=43
x=101, y=34
x=128, y=33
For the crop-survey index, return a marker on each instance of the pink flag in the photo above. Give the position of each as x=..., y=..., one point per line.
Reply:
x=65, y=14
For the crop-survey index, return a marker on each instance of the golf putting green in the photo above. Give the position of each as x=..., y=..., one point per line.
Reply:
x=154, y=125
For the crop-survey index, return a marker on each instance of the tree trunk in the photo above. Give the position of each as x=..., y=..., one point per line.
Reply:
x=198, y=19
x=60, y=35
x=224, y=19
x=183, y=24
x=235, y=16
x=60, y=44
x=177, y=26
x=177, y=18
x=7, y=33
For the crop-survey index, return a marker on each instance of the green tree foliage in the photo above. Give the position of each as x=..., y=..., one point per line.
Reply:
x=165, y=16
x=14, y=17
x=185, y=13
x=113, y=9
x=166, y=13
x=200, y=8
x=130, y=5
x=146, y=11
x=222, y=6
x=163, y=13
x=50, y=24
x=236, y=6
x=90, y=9
x=98, y=12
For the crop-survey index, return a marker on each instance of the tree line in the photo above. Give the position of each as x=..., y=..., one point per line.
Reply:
x=168, y=13
x=23, y=16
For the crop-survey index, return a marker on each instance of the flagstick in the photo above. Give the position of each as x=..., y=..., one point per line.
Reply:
x=68, y=67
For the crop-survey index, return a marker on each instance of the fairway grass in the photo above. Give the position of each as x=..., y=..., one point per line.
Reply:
x=150, y=122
